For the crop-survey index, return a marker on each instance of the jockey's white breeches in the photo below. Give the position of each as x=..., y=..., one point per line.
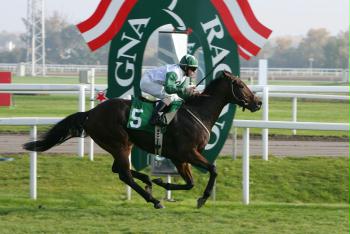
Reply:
x=156, y=89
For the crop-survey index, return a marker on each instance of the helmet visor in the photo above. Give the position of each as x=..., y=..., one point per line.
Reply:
x=192, y=68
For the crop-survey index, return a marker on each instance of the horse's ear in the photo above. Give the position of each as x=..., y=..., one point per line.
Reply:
x=234, y=78
x=227, y=74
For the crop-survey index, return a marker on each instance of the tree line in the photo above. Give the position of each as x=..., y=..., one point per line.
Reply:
x=65, y=45
x=317, y=49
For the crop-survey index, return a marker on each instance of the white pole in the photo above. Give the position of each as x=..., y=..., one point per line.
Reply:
x=245, y=166
x=81, y=109
x=263, y=81
x=33, y=43
x=214, y=187
x=128, y=192
x=43, y=33
x=92, y=105
x=294, y=113
x=265, y=131
x=234, y=145
x=128, y=188
x=33, y=166
x=168, y=192
x=262, y=72
x=349, y=57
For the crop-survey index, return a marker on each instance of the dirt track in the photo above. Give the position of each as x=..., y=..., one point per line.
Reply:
x=12, y=144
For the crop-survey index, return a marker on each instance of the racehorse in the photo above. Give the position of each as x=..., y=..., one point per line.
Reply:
x=184, y=140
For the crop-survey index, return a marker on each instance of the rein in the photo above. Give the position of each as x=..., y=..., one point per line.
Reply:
x=213, y=68
x=198, y=120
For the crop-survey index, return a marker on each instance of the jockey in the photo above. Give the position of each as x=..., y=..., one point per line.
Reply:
x=169, y=83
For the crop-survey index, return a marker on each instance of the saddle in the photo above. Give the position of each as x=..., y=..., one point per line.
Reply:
x=142, y=109
x=140, y=114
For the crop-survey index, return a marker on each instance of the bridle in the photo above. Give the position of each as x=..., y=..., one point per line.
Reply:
x=241, y=101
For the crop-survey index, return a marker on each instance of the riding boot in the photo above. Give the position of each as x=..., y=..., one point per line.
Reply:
x=156, y=118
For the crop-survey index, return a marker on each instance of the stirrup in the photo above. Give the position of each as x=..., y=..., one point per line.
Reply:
x=158, y=120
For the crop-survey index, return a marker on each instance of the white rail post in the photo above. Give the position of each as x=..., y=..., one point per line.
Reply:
x=33, y=166
x=245, y=166
x=294, y=113
x=168, y=192
x=128, y=192
x=234, y=144
x=128, y=188
x=213, y=194
x=265, y=131
x=265, y=101
x=262, y=72
x=92, y=105
x=81, y=109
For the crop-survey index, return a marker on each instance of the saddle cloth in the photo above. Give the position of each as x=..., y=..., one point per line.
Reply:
x=141, y=111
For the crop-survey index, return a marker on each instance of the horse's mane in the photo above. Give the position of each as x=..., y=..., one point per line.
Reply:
x=212, y=86
x=210, y=89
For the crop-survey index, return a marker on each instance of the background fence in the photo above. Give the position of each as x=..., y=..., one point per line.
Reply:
x=296, y=74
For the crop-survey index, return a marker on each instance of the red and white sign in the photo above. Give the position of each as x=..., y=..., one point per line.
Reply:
x=249, y=34
x=237, y=15
x=106, y=22
x=5, y=98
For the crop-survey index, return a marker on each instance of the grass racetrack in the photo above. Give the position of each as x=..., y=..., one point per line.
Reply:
x=288, y=195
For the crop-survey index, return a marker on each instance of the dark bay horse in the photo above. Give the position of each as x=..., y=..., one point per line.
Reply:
x=183, y=142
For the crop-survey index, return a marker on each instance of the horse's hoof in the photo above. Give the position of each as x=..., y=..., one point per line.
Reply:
x=200, y=202
x=159, y=206
x=158, y=181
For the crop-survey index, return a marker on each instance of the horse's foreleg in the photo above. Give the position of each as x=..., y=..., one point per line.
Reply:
x=200, y=161
x=185, y=172
x=207, y=192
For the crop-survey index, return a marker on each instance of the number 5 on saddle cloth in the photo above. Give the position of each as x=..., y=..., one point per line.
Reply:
x=141, y=111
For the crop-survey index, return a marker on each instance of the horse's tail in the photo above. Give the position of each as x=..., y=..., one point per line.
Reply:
x=71, y=126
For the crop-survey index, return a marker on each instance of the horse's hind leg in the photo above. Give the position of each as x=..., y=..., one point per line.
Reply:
x=185, y=172
x=138, y=175
x=144, y=178
x=121, y=165
x=125, y=175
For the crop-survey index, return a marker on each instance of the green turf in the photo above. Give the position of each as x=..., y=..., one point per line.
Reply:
x=288, y=195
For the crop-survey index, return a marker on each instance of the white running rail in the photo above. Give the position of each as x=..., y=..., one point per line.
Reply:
x=245, y=124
